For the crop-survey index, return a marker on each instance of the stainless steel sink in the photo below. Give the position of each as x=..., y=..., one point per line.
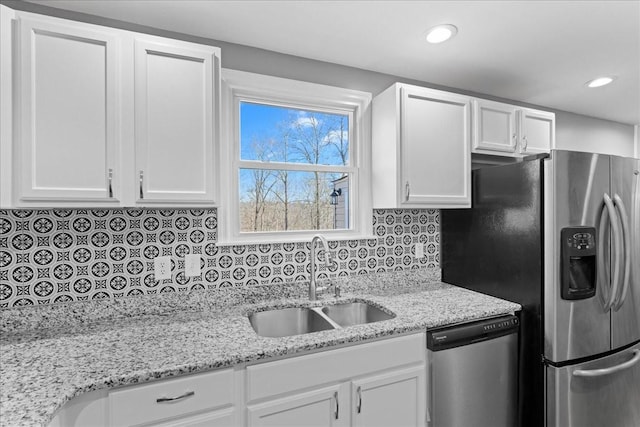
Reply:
x=355, y=313
x=288, y=321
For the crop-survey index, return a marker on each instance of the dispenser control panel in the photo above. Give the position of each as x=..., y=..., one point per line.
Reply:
x=578, y=263
x=582, y=241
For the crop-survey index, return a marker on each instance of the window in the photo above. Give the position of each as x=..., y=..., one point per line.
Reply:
x=297, y=158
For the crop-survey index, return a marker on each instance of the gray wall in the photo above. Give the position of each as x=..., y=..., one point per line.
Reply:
x=581, y=133
x=574, y=132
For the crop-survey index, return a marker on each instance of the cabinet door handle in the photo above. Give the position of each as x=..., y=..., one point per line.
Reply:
x=359, y=394
x=524, y=142
x=337, y=413
x=174, y=399
x=110, y=188
x=407, y=191
x=141, y=182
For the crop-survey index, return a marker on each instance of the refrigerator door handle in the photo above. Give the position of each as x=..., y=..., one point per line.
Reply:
x=604, y=276
x=610, y=370
x=617, y=249
x=626, y=235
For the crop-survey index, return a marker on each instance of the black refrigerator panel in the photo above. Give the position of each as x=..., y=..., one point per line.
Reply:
x=496, y=248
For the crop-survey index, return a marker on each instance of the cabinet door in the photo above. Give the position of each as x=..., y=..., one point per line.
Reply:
x=176, y=93
x=536, y=131
x=397, y=399
x=494, y=128
x=224, y=418
x=327, y=406
x=434, y=150
x=68, y=95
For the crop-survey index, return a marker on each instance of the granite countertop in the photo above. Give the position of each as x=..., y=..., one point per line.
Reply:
x=50, y=355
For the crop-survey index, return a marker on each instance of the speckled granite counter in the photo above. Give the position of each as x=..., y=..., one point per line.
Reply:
x=49, y=355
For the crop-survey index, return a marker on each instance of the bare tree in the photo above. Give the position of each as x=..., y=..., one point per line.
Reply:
x=309, y=141
x=278, y=199
x=283, y=175
x=338, y=140
x=263, y=183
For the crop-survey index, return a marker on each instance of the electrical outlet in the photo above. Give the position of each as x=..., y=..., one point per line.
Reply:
x=162, y=267
x=192, y=265
x=419, y=250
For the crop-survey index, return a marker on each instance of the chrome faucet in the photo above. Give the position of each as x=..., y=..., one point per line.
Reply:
x=328, y=259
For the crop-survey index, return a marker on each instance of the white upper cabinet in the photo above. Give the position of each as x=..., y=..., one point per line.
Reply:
x=507, y=130
x=494, y=127
x=175, y=104
x=68, y=94
x=107, y=117
x=536, y=131
x=421, y=148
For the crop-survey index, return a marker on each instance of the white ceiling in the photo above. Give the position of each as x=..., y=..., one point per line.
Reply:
x=538, y=52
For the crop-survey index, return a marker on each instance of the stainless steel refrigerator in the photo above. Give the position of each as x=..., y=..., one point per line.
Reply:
x=560, y=234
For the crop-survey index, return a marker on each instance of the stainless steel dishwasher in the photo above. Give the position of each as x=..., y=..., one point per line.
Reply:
x=473, y=369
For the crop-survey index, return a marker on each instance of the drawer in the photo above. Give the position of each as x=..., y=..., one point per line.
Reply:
x=287, y=375
x=152, y=402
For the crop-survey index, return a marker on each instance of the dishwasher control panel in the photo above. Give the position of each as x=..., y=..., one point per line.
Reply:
x=468, y=333
x=501, y=324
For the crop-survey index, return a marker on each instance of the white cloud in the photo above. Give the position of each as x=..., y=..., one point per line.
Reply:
x=306, y=121
x=334, y=136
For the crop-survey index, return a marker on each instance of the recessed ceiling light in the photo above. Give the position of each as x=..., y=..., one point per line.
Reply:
x=600, y=81
x=441, y=33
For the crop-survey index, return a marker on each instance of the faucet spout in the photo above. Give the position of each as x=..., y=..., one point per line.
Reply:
x=312, y=264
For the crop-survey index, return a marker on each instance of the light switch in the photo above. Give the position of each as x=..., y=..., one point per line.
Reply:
x=192, y=265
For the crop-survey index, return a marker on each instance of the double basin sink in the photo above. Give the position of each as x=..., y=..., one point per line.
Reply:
x=286, y=322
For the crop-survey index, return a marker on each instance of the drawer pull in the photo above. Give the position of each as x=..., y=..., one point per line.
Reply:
x=174, y=399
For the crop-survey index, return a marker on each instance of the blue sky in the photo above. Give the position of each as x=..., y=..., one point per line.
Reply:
x=260, y=122
x=263, y=122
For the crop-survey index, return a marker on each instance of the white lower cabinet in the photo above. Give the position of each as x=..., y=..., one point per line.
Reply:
x=325, y=406
x=223, y=418
x=376, y=384
x=395, y=398
x=380, y=383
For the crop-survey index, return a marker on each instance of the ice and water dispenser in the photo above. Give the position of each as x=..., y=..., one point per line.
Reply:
x=578, y=264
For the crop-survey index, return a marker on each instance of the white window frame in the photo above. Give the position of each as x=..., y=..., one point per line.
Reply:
x=239, y=86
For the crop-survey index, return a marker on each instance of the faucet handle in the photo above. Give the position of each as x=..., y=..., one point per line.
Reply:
x=330, y=257
x=336, y=289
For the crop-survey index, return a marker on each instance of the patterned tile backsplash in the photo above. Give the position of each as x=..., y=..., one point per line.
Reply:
x=60, y=255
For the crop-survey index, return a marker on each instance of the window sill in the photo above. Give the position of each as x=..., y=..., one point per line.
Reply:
x=297, y=238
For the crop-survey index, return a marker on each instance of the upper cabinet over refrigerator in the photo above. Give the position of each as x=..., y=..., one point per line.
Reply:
x=507, y=130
